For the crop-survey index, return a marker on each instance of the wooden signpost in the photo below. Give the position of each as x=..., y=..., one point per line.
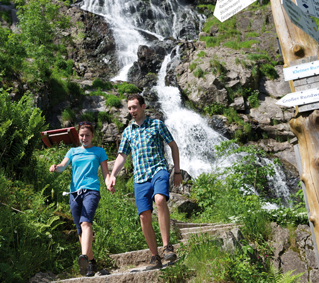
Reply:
x=299, y=48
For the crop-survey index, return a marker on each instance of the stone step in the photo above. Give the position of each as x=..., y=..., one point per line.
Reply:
x=134, y=276
x=137, y=258
x=203, y=229
x=208, y=231
x=182, y=225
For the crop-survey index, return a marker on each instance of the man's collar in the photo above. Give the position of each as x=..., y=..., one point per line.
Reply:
x=146, y=122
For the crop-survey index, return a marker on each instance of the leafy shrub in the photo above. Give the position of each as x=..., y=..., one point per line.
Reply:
x=253, y=99
x=215, y=108
x=247, y=128
x=199, y=73
x=21, y=126
x=75, y=89
x=88, y=116
x=269, y=71
x=68, y=115
x=98, y=83
x=232, y=116
x=104, y=117
x=113, y=101
x=127, y=88
x=61, y=64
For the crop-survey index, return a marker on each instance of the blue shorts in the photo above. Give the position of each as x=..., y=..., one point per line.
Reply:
x=83, y=207
x=145, y=192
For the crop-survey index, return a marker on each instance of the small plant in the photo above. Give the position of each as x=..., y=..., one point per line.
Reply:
x=75, y=89
x=104, y=117
x=98, y=83
x=269, y=71
x=88, y=116
x=113, y=101
x=253, y=99
x=127, y=88
x=192, y=66
x=237, y=61
x=68, y=115
x=247, y=128
x=215, y=108
x=201, y=54
x=199, y=73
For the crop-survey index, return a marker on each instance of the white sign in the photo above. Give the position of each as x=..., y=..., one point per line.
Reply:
x=301, y=71
x=299, y=98
x=310, y=7
x=300, y=19
x=227, y=8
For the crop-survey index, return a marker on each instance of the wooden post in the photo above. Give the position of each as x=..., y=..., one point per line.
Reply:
x=297, y=48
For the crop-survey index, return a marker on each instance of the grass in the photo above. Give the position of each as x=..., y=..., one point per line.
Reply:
x=199, y=73
x=192, y=66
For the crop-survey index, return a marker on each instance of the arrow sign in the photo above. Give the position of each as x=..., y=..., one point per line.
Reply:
x=300, y=19
x=299, y=98
x=301, y=71
x=227, y=8
x=309, y=7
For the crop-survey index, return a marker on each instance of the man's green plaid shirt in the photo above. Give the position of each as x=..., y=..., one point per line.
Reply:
x=146, y=144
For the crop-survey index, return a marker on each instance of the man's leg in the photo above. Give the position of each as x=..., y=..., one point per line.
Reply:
x=148, y=231
x=163, y=217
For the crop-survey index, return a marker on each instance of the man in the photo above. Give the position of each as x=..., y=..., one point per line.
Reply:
x=144, y=138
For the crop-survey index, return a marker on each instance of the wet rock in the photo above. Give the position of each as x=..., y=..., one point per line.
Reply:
x=43, y=277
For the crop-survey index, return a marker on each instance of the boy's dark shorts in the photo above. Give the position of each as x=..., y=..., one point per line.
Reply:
x=83, y=207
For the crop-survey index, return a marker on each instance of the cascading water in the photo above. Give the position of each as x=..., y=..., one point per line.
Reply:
x=127, y=22
x=195, y=138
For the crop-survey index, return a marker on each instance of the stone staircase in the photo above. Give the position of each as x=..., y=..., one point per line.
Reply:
x=131, y=265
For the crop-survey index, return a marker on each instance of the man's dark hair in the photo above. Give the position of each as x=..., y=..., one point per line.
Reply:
x=137, y=96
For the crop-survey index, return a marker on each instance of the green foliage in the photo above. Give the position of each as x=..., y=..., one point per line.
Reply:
x=192, y=66
x=253, y=99
x=201, y=54
x=113, y=101
x=127, y=88
x=75, y=89
x=21, y=126
x=232, y=116
x=252, y=34
x=88, y=116
x=256, y=57
x=237, y=61
x=98, y=83
x=104, y=117
x=217, y=67
x=269, y=71
x=6, y=16
x=68, y=115
x=199, y=73
x=238, y=45
x=215, y=108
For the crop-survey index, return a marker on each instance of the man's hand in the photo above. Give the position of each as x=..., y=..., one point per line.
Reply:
x=111, y=185
x=178, y=180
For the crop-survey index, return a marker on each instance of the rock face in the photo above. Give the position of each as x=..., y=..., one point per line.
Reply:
x=295, y=252
x=93, y=47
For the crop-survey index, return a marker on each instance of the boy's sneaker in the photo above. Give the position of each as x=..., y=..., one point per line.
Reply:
x=155, y=263
x=92, y=268
x=169, y=254
x=83, y=262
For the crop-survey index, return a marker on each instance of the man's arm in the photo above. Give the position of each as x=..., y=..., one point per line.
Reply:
x=175, y=154
x=119, y=163
x=60, y=167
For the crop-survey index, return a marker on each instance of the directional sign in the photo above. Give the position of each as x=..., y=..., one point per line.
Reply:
x=299, y=98
x=301, y=71
x=310, y=7
x=227, y=8
x=300, y=19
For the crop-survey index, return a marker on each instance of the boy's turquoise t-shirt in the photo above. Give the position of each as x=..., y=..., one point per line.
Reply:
x=85, y=165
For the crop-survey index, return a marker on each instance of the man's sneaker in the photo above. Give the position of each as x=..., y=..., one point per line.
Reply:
x=169, y=254
x=83, y=262
x=92, y=268
x=155, y=263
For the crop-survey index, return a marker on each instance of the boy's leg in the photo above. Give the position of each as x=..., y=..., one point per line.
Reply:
x=148, y=231
x=163, y=217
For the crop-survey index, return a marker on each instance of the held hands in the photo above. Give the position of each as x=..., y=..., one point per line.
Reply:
x=111, y=184
x=53, y=168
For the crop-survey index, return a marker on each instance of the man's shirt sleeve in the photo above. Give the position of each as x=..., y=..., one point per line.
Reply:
x=165, y=133
x=125, y=146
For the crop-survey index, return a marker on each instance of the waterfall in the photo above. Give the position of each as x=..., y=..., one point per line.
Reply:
x=195, y=138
